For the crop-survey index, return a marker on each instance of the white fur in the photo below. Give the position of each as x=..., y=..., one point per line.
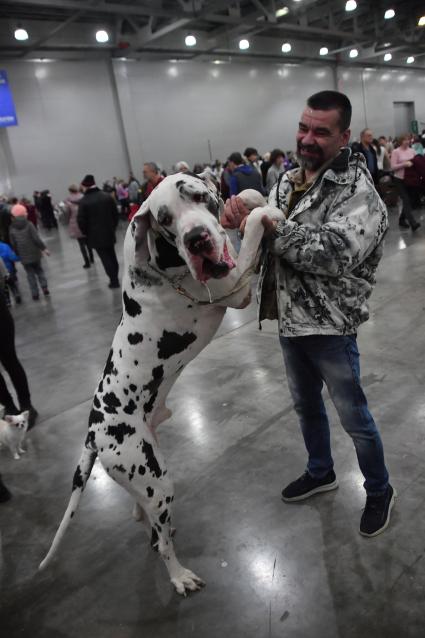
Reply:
x=12, y=432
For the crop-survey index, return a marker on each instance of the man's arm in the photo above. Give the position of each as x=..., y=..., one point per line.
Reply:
x=355, y=226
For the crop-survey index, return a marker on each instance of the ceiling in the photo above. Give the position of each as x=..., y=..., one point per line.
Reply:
x=156, y=29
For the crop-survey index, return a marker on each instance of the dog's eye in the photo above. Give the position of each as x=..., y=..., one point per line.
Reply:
x=199, y=197
x=164, y=216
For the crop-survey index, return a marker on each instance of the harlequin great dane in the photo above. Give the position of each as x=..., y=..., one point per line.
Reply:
x=180, y=274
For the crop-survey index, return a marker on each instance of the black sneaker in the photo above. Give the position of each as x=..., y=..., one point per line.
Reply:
x=376, y=514
x=307, y=485
x=5, y=495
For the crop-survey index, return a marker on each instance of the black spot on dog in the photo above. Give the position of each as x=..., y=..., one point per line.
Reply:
x=133, y=387
x=125, y=391
x=135, y=338
x=72, y=515
x=130, y=407
x=168, y=499
x=167, y=255
x=132, y=307
x=120, y=468
x=151, y=460
x=109, y=366
x=136, y=363
x=163, y=517
x=111, y=402
x=96, y=417
x=100, y=387
x=141, y=470
x=120, y=353
x=148, y=406
x=131, y=473
x=164, y=217
x=96, y=402
x=90, y=440
x=172, y=343
x=120, y=431
x=154, y=539
x=149, y=490
x=77, y=481
x=155, y=382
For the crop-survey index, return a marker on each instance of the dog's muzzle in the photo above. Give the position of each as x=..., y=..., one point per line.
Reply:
x=205, y=260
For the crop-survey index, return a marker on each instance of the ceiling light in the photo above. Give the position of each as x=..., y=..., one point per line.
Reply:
x=324, y=51
x=243, y=44
x=421, y=21
x=190, y=40
x=389, y=13
x=351, y=5
x=286, y=47
x=354, y=53
x=282, y=12
x=388, y=57
x=21, y=34
x=102, y=36
x=410, y=59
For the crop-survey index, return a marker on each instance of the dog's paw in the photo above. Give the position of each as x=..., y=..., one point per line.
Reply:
x=186, y=580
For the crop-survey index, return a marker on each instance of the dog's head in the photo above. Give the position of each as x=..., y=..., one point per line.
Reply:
x=18, y=421
x=184, y=210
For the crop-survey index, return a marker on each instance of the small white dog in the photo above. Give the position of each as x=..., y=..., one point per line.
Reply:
x=12, y=432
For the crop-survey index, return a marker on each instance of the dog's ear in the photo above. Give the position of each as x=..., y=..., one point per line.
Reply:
x=9, y=419
x=140, y=225
x=215, y=203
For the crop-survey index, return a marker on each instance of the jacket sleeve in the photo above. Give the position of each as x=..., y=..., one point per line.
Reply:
x=82, y=218
x=355, y=225
x=36, y=237
x=12, y=255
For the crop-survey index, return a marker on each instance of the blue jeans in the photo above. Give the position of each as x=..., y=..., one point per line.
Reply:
x=334, y=360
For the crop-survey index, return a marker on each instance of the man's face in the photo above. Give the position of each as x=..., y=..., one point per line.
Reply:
x=231, y=165
x=253, y=157
x=148, y=173
x=319, y=138
x=367, y=137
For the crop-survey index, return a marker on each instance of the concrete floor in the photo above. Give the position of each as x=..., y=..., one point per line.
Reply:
x=272, y=569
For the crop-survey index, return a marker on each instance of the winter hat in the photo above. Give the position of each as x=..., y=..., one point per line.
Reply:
x=19, y=211
x=88, y=181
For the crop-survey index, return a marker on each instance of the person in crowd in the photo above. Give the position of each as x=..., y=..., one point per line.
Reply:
x=133, y=190
x=417, y=145
x=9, y=259
x=252, y=158
x=47, y=214
x=317, y=277
x=5, y=220
x=225, y=181
x=366, y=148
x=264, y=167
x=152, y=178
x=72, y=202
x=290, y=161
x=122, y=197
x=97, y=219
x=277, y=158
x=28, y=245
x=182, y=167
x=198, y=168
x=242, y=175
x=31, y=210
x=11, y=364
x=382, y=159
x=401, y=158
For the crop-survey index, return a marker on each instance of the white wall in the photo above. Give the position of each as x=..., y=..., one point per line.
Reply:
x=70, y=113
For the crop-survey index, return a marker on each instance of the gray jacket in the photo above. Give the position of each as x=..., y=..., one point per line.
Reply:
x=25, y=240
x=326, y=252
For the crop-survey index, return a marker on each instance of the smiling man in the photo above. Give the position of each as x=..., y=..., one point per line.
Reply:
x=317, y=278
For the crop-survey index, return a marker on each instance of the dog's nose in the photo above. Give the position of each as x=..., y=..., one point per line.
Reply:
x=198, y=241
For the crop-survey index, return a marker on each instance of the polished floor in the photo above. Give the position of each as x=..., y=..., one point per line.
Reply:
x=272, y=569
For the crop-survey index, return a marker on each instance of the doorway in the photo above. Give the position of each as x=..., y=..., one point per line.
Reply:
x=404, y=114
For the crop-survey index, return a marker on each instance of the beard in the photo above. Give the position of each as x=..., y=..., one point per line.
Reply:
x=310, y=163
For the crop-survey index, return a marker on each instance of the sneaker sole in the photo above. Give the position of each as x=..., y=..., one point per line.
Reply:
x=387, y=522
x=317, y=490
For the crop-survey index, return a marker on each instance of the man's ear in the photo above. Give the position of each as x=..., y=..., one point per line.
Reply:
x=140, y=225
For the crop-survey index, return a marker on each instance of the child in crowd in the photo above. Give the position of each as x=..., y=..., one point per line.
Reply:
x=9, y=258
x=26, y=242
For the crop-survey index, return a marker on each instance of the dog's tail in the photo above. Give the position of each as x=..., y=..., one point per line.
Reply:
x=79, y=481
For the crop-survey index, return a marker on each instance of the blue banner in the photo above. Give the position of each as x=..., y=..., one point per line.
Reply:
x=7, y=108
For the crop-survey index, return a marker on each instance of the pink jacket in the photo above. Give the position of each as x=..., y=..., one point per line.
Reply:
x=72, y=203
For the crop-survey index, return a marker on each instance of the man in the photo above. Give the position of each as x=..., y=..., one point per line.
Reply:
x=242, y=175
x=252, y=158
x=320, y=271
x=98, y=219
x=365, y=147
x=277, y=159
x=152, y=176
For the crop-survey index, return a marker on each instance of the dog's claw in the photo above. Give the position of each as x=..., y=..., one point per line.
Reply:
x=187, y=580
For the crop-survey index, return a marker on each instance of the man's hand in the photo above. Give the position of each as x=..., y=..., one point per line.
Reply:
x=234, y=213
x=269, y=225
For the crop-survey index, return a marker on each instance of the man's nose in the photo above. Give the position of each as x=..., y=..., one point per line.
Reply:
x=308, y=139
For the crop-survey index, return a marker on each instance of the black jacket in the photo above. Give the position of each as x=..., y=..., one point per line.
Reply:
x=98, y=218
x=357, y=147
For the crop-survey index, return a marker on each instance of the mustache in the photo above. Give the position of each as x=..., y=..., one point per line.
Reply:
x=310, y=148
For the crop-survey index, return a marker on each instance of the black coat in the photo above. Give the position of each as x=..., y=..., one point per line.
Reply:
x=357, y=147
x=98, y=218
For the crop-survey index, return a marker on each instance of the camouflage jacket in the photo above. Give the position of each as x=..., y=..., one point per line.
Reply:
x=319, y=268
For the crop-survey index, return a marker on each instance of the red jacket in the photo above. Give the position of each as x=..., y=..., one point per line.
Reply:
x=414, y=176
